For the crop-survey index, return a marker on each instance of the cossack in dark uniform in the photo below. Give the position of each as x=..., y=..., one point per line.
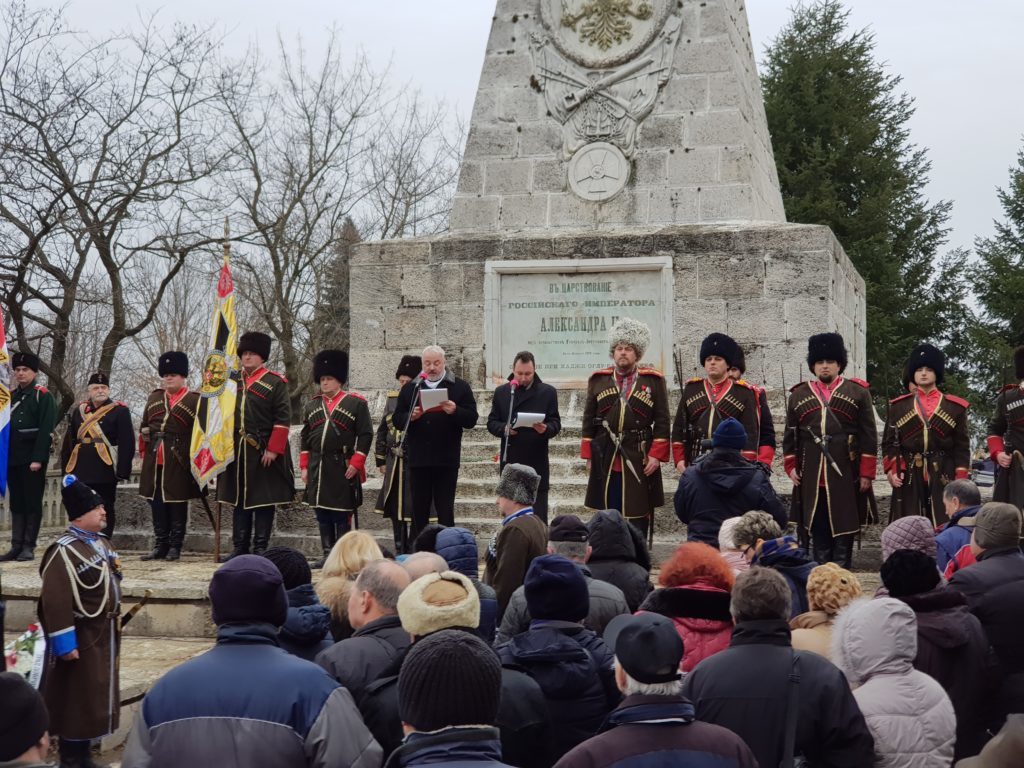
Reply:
x=336, y=434
x=926, y=442
x=262, y=421
x=99, y=447
x=79, y=610
x=527, y=446
x=704, y=405
x=766, y=442
x=433, y=448
x=394, y=501
x=831, y=441
x=33, y=417
x=1006, y=435
x=166, y=479
x=625, y=422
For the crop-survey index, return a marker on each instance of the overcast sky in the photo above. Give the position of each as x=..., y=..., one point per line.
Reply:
x=961, y=62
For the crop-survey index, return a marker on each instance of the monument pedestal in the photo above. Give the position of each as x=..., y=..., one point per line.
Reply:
x=477, y=295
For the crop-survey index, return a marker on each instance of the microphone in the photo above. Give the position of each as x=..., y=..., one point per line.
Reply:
x=514, y=384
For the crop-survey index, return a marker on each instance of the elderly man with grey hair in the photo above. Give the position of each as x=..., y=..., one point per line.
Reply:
x=962, y=500
x=654, y=724
x=569, y=537
x=433, y=442
x=746, y=688
x=378, y=638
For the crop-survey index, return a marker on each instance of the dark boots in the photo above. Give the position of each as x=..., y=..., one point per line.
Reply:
x=264, y=527
x=17, y=537
x=160, y=530
x=178, y=523
x=327, y=539
x=843, y=550
x=76, y=754
x=241, y=533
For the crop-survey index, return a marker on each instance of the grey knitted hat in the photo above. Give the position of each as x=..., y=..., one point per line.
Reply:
x=631, y=332
x=519, y=483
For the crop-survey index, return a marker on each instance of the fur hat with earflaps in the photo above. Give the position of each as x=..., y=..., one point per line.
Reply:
x=25, y=360
x=826, y=346
x=518, y=483
x=631, y=333
x=410, y=366
x=172, y=362
x=79, y=499
x=331, y=362
x=927, y=356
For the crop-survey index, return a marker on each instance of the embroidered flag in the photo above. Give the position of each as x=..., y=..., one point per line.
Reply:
x=213, y=447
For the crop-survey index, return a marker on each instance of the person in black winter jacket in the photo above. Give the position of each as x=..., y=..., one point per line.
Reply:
x=458, y=548
x=306, y=630
x=745, y=688
x=722, y=484
x=572, y=665
x=441, y=601
x=951, y=644
x=619, y=556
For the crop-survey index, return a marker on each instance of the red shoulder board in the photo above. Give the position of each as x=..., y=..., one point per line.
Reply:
x=901, y=397
x=958, y=400
x=651, y=372
x=695, y=379
x=797, y=386
x=281, y=376
x=1006, y=387
x=121, y=402
x=861, y=382
x=602, y=372
x=743, y=383
x=356, y=394
x=42, y=389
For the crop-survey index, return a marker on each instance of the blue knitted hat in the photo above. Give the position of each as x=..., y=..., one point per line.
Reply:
x=729, y=434
x=556, y=590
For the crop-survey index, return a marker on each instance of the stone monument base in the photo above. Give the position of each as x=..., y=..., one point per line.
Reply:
x=483, y=297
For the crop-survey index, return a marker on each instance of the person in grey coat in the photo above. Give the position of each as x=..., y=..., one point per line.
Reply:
x=568, y=536
x=247, y=702
x=378, y=637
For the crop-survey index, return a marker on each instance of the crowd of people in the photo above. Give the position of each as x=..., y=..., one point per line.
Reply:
x=746, y=654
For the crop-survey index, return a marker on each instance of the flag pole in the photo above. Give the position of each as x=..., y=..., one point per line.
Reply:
x=226, y=245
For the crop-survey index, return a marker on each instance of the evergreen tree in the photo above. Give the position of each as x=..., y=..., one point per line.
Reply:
x=839, y=127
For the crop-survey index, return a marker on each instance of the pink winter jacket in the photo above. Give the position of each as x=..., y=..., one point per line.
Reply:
x=701, y=616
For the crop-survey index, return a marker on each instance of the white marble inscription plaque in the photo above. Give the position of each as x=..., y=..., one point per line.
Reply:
x=562, y=312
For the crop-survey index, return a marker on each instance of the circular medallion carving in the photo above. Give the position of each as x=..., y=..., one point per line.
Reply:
x=603, y=33
x=598, y=171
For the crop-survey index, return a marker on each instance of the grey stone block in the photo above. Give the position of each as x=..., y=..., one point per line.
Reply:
x=474, y=213
x=461, y=326
x=491, y=141
x=673, y=205
x=368, y=332
x=523, y=211
x=390, y=252
x=409, y=327
x=696, y=57
x=661, y=131
x=377, y=286
x=753, y=319
x=731, y=203
x=685, y=93
x=507, y=69
x=507, y=177
x=471, y=179
x=649, y=168
x=685, y=273
x=542, y=138
x=693, y=167
x=728, y=276
x=795, y=274
x=432, y=285
x=714, y=21
x=485, y=107
x=723, y=128
x=549, y=176
x=806, y=316
x=567, y=210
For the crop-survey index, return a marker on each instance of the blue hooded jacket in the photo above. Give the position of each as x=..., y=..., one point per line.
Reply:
x=458, y=548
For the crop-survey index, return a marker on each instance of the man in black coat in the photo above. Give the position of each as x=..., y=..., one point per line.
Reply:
x=994, y=588
x=526, y=393
x=745, y=687
x=378, y=638
x=99, y=445
x=433, y=444
x=723, y=484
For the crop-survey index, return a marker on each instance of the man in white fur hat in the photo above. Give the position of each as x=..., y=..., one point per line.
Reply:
x=626, y=429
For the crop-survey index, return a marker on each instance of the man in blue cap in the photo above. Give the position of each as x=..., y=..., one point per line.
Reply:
x=723, y=484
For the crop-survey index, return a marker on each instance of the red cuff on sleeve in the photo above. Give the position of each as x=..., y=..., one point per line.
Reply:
x=678, y=453
x=304, y=460
x=749, y=455
x=995, y=446
x=278, y=442
x=766, y=455
x=789, y=463
x=868, y=466
x=358, y=461
x=585, y=449
x=659, y=450
x=142, y=447
x=961, y=473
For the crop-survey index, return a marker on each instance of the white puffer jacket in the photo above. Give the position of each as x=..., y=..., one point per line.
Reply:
x=910, y=716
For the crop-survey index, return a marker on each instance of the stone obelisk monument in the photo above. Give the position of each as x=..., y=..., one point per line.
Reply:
x=618, y=163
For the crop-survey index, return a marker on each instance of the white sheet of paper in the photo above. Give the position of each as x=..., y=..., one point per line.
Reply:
x=432, y=398
x=524, y=420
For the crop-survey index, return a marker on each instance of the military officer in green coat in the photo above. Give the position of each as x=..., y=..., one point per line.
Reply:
x=33, y=417
x=336, y=437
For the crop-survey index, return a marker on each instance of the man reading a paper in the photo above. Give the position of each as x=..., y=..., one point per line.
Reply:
x=533, y=406
x=437, y=407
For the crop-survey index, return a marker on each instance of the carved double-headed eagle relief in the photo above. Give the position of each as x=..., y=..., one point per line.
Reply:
x=600, y=64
